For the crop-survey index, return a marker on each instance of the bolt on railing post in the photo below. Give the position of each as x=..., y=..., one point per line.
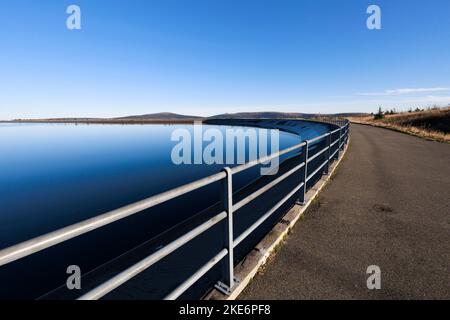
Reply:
x=227, y=200
x=302, y=191
x=327, y=168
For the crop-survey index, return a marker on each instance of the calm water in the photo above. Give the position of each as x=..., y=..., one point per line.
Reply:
x=53, y=175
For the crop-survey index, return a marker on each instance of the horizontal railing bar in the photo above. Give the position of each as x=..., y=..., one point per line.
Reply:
x=267, y=187
x=319, y=138
x=317, y=170
x=336, y=141
x=333, y=132
x=50, y=239
x=134, y=270
x=196, y=276
x=317, y=154
x=253, y=163
x=261, y=220
x=334, y=153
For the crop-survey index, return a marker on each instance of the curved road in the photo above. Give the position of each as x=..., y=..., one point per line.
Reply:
x=388, y=205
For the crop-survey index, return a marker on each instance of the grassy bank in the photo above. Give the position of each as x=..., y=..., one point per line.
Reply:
x=428, y=124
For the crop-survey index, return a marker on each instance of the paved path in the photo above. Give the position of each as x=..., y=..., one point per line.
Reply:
x=388, y=205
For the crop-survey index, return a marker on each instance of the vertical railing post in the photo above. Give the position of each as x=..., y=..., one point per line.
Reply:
x=348, y=131
x=328, y=153
x=227, y=200
x=336, y=155
x=345, y=136
x=302, y=191
x=340, y=139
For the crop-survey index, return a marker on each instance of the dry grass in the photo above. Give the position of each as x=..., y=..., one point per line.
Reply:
x=430, y=124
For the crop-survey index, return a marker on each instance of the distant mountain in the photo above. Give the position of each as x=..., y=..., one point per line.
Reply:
x=240, y=115
x=277, y=115
x=169, y=117
x=350, y=114
x=261, y=115
x=159, y=116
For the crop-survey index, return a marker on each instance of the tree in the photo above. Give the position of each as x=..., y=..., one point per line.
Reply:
x=379, y=115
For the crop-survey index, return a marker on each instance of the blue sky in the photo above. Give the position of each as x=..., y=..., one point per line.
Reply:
x=212, y=56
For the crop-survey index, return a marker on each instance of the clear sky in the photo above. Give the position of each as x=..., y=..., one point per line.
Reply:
x=205, y=57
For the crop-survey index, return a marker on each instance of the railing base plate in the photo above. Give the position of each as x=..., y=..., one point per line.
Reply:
x=226, y=290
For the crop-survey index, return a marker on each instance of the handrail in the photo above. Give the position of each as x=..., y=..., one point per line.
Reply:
x=132, y=271
x=316, y=171
x=267, y=187
x=253, y=163
x=247, y=232
x=37, y=244
x=196, y=276
x=318, y=138
x=317, y=154
x=50, y=239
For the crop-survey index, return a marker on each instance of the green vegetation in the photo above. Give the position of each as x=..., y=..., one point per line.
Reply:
x=379, y=115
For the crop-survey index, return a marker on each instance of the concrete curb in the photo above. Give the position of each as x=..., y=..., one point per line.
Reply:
x=247, y=269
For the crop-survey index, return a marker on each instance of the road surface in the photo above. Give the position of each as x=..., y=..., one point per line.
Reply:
x=388, y=205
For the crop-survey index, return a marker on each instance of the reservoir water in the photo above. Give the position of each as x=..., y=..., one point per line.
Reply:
x=54, y=175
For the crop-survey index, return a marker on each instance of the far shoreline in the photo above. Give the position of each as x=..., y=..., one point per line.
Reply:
x=106, y=121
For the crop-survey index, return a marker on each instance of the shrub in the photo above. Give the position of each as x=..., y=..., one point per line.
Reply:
x=379, y=115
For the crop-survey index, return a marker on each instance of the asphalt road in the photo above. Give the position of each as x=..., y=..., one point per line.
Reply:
x=388, y=205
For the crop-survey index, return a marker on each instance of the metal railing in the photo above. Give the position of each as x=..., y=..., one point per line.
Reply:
x=40, y=243
x=339, y=121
